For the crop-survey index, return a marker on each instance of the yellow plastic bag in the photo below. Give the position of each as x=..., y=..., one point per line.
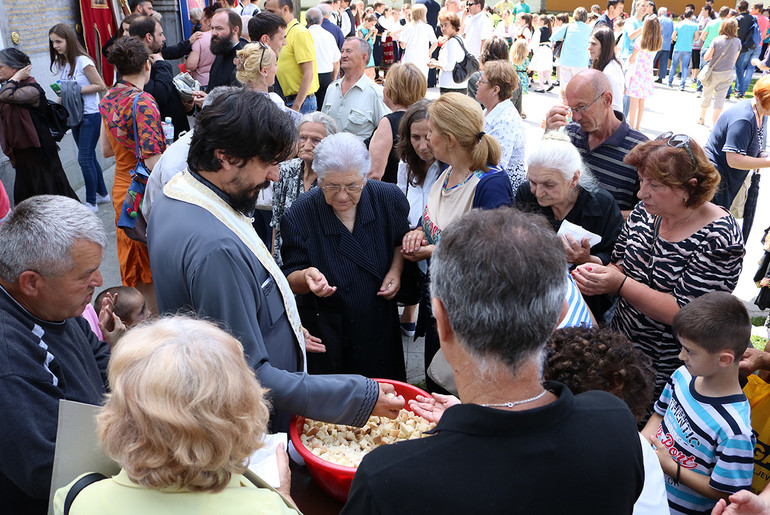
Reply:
x=758, y=393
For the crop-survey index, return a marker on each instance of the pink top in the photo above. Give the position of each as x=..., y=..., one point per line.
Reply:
x=5, y=204
x=93, y=320
x=206, y=59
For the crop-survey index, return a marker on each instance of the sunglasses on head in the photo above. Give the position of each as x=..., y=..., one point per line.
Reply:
x=679, y=141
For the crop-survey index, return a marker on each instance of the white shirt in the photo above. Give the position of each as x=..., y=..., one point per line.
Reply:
x=326, y=50
x=614, y=72
x=478, y=28
x=416, y=195
x=450, y=54
x=91, y=100
x=359, y=110
x=250, y=10
x=346, y=28
x=417, y=39
x=505, y=125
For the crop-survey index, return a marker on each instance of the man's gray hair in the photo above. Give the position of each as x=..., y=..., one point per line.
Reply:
x=314, y=16
x=556, y=152
x=318, y=117
x=326, y=9
x=219, y=91
x=39, y=234
x=501, y=276
x=342, y=152
x=363, y=46
x=662, y=11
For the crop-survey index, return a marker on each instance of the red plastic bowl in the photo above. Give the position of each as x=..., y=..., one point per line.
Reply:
x=336, y=479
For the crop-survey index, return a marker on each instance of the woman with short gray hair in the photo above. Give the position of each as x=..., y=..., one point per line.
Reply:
x=560, y=187
x=296, y=176
x=341, y=254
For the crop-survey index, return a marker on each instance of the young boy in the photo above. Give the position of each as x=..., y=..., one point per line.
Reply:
x=129, y=304
x=701, y=430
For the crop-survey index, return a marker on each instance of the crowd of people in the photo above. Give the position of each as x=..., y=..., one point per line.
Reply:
x=312, y=207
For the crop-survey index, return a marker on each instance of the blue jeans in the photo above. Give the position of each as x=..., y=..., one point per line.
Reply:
x=743, y=62
x=703, y=63
x=750, y=68
x=86, y=137
x=308, y=106
x=661, y=60
x=684, y=57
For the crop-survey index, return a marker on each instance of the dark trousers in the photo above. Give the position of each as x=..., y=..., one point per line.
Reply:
x=464, y=91
x=324, y=79
x=661, y=62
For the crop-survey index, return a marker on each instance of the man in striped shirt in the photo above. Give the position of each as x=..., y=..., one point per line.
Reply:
x=600, y=134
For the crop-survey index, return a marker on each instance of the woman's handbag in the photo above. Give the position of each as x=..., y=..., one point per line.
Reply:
x=558, y=45
x=131, y=219
x=704, y=75
x=465, y=68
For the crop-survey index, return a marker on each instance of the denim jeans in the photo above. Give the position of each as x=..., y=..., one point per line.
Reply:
x=749, y=73
x=308, y=106
x=703, y=63
x=684, y=57
x=743, y=62
x=661, y=61
x=86, y=137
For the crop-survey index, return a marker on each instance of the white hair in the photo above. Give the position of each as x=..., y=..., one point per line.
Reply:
x=341, y=152
x=314, y=16
x=39, y=234
x=318, y=117
x=556, y=152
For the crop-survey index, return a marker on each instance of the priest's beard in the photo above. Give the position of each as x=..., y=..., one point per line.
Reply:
x=244, y=200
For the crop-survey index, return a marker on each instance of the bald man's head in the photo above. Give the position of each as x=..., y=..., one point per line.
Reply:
x=589, y=95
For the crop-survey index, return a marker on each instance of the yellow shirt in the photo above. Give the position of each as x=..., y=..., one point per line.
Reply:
x=119, y=494
x=299, y=49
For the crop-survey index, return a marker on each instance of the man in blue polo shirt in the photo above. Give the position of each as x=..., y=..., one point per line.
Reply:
x=600, y=134
x=666, y=31
x=684, y=34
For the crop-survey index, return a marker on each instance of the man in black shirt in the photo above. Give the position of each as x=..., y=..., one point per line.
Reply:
x=499, y=448
x=226, y=28
x=745, y=35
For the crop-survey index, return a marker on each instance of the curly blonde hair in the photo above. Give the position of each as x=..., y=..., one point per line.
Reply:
x=252, y=59
x=462, y=117
x=185, y=410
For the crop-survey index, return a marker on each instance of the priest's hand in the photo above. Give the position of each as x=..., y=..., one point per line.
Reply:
x=313, y=343
x=388, y=403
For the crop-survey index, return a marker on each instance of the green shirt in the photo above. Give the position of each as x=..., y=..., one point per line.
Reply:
x=521, y=8
x=712, y=31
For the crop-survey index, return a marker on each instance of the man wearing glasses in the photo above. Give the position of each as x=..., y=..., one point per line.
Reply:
x=478, y=27
x=212, y=262
x=600, y=134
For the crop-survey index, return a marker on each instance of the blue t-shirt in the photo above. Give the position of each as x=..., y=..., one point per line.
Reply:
x=735, y=131
x=685, y=32
x=632, y=24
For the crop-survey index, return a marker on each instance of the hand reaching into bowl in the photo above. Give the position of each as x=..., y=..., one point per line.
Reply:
x=388, y=403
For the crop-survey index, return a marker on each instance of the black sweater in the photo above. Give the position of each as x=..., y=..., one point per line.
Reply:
x=40, y=363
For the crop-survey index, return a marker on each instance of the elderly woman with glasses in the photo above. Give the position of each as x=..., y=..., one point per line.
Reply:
x=676, y=246
x=341, y=254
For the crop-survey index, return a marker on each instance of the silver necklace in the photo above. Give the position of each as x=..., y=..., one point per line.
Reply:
x=515, y=403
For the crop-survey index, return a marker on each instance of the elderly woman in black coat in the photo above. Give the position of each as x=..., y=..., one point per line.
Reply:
x=341, y=254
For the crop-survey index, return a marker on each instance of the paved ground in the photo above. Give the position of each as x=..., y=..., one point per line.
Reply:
x=667, y=110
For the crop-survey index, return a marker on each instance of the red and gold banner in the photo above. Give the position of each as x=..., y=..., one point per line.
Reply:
x=98, y=26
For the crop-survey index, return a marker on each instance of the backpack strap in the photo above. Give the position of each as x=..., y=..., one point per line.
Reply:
x=136, y=131
x=78, y=487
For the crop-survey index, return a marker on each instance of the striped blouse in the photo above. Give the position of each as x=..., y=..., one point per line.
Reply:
x=708, y=260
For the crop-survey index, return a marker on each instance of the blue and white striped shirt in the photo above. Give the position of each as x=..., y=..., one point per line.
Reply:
x=710, y=435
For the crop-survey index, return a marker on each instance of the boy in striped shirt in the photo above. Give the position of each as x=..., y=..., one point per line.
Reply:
x=701, y=428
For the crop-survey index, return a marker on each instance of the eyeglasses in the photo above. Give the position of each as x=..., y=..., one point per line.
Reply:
x=264, y=49
x=582, y=110
x=679, y=141
x=333, y=189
